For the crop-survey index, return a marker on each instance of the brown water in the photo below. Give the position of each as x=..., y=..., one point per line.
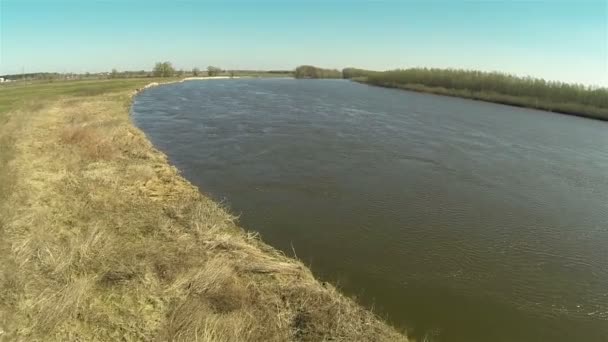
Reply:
x=460, y=220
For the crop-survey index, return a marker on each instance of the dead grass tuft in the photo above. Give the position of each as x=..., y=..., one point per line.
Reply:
x=92, y=144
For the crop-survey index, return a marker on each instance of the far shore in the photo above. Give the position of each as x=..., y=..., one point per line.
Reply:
x=181, y=80
x=194, y=78
x=515, y=101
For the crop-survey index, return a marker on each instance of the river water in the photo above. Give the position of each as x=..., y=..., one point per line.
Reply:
x=456, y=219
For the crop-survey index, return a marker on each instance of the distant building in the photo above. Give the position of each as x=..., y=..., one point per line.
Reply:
x=1, y=79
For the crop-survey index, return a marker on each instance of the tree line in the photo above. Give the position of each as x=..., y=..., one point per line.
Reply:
x=166, y=69
x=309, y=71
x=495, y=82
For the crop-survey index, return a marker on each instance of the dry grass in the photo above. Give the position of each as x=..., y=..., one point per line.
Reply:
x=93, y=145
x=101, y=239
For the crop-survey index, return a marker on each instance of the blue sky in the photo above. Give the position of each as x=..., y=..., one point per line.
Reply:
x=558, y=40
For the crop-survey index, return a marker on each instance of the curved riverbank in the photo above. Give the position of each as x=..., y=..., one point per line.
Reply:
x=102, y=239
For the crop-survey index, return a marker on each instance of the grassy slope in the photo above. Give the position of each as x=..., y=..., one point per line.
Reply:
x=101, y=239
x=518, y=101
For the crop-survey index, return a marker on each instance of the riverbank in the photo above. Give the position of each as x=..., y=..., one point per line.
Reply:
x=102, y=239
x=516, y=101
x=500, y=88
x=181, y=80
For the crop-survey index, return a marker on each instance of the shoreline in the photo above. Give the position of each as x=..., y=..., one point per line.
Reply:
x=103, y=238
x=515, y=101
x=182, y=80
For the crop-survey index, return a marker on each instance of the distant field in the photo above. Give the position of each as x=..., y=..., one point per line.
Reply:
x=36, y=93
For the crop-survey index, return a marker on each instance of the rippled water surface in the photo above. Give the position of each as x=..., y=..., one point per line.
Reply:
x=460, y=220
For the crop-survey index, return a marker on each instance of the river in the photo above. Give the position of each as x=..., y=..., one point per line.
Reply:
x=456, y=219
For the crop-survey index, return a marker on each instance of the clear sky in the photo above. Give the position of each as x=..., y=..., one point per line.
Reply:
x=554, y=39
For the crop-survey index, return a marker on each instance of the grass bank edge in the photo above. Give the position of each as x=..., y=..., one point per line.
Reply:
x=120, y=225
